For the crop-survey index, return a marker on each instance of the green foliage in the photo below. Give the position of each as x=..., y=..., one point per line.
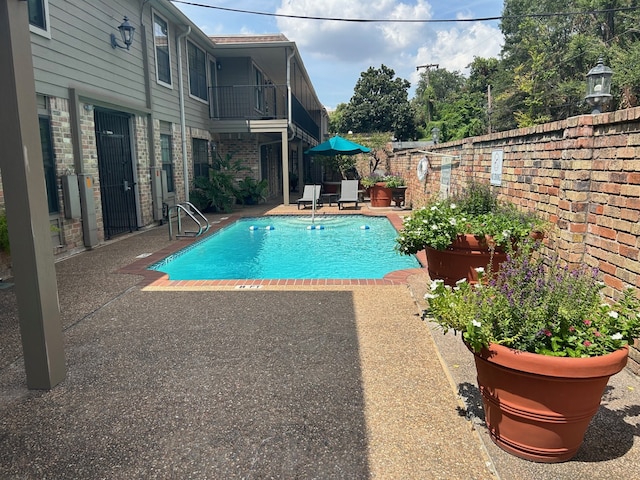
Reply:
x=251, y=192
x=379, y=104
x=476, y=212
x=4, y=232
x=370, y=180
x=393, y=181
x=537, y=305
x=218, y=191
x=540, y=73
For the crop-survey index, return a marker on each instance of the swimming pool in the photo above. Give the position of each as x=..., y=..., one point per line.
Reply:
x=292, y=247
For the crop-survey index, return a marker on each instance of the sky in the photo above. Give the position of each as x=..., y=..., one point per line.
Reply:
x=336, y=53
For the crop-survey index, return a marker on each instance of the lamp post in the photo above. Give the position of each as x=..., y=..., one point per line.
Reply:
x=599, y=86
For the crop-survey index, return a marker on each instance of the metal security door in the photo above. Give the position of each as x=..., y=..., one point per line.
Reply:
x=115, y=167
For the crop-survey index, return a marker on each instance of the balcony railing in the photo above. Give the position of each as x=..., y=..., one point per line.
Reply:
x=266, y=102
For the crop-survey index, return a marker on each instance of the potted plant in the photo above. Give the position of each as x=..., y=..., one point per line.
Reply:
x=545, y=345
x=463, y=233
x=251, y=192
x=381, y=188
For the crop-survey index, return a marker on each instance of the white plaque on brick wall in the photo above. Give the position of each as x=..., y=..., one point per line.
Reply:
x=496, y=167
x=445, y=176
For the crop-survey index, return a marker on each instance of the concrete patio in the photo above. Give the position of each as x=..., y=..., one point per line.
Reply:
x=342, y=381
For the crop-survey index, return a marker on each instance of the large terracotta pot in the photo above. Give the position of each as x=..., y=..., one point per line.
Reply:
x=461, y=259
x=380, y=195
x=538, y=407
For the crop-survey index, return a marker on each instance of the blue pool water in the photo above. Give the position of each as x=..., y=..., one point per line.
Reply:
x=279, y=247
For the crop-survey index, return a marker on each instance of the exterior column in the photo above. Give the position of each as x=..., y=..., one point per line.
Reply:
x=26, y=204
x=285, y=166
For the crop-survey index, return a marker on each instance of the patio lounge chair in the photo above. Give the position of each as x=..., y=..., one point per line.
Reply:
x=308, y=194
x=348, y=193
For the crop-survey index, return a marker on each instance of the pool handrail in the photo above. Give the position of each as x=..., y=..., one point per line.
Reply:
x=186, y=207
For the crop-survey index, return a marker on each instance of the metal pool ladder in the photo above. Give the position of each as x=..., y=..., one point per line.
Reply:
x=192, y=212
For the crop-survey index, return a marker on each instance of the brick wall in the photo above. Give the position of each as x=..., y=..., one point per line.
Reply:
x=582, y=174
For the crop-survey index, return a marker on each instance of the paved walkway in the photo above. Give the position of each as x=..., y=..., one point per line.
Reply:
x=309, y=381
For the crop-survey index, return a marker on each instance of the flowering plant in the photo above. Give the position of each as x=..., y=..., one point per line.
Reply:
x=390, y=181
x=536, y=305
x=477, y=212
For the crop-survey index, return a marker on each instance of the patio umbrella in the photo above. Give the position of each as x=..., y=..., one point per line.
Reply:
x=338, y=146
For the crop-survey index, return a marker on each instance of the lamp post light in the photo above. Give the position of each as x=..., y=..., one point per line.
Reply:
x=599, y=86
x=435, y=134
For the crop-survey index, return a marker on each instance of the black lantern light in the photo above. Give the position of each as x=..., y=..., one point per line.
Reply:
x=126, y=31
x=599, y=86
x=435, y=134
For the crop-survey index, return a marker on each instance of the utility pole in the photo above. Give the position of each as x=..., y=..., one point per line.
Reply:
x=428, y=68
x=489, y=109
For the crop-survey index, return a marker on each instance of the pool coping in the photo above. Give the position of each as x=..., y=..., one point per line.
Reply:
x=155, y=280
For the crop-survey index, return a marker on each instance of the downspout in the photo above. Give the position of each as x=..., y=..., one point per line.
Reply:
x=285, y=140
x=183, y=127
x=289, y=96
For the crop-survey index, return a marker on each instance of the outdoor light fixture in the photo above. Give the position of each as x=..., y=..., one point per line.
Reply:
x=126, y=30
x=599, y=86
x=435, y=134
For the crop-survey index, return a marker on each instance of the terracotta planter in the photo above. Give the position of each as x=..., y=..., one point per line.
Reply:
x=380, y=195
x=538, y=407
x=461, y=259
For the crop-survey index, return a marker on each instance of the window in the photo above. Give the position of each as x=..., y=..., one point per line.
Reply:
x=39, y=16
x=200, y=158
x=167, y=159
x=49, y=164
x=197, y=71
x=163, y=58
x=259, y=78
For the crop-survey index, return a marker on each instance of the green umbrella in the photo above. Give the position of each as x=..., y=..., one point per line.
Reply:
x=338, y=146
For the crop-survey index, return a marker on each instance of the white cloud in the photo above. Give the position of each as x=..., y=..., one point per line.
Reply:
x=364, y=43
x=455, y=49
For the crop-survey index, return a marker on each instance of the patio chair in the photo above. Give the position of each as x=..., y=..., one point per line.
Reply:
x=308, y=194
x=348, y=193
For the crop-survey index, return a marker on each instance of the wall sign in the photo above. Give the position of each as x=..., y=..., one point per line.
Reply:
x=445, y=176
x=496, y=167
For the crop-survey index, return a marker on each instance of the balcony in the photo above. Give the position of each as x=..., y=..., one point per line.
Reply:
x=266, y=102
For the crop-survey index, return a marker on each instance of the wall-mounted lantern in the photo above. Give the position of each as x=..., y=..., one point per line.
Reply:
x=599, y=86
x=126, y=31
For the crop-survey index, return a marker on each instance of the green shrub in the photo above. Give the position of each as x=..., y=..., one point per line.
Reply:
x=4, y=232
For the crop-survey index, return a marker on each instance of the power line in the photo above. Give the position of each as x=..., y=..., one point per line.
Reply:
x=432, y=20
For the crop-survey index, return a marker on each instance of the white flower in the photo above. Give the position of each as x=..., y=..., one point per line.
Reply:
x=434, y=208
x=429, y=296
x=616, y=336
x=435, y=283
x=476, y=323
x=613, y=314
x=453, y=222
x=453, y=205
x=434, y=227
x=461, y=281
x=479, y=269
x=506, y=233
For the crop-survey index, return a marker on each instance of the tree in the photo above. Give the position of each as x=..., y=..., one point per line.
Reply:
x=379, y=104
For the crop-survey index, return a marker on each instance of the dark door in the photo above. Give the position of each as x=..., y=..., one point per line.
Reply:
x=115, y=166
